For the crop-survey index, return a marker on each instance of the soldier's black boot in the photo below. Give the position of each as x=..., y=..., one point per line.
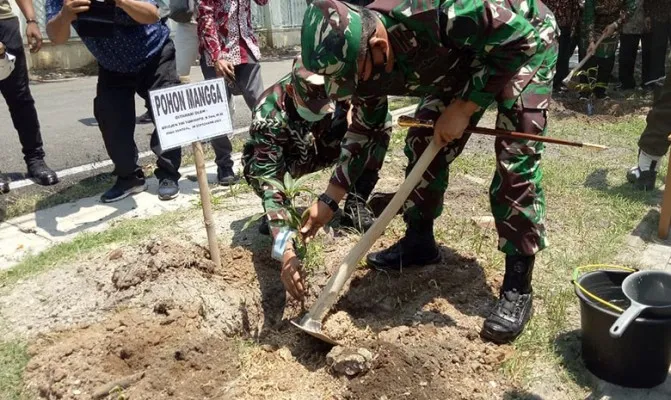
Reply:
x=515, y=306
x=416, y=249
x=356, y=213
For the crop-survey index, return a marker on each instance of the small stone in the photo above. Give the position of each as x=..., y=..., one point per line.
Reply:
x=207, y=389
x=471, y=335
x=76, y=392
x=115, y=254
x=58, y=375
x=285, y=354
x=394, y=334
x=423, y=383
x=492, y=384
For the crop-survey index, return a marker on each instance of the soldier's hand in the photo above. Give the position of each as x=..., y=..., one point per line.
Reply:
x=318, y=216
x=453, y=121
x=291, y=275
x=610, y=30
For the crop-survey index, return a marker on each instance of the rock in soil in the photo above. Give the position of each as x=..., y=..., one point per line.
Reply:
x=349, y=362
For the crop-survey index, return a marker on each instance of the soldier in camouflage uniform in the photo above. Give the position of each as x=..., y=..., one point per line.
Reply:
x=603, y=17
x=297, y=129
x=460, y=56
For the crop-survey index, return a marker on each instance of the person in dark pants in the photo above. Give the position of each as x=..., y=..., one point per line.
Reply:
x=568, y=14
x=135, y=55
x=16, y=91
x=633, y=33
x=653, y=143
x=229, y=48
x=658, y=20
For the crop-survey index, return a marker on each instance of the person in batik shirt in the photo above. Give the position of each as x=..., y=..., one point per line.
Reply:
x=229, y=48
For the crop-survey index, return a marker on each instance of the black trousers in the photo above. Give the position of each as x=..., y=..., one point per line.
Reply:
x=114, y=108
x=660, y=33
x=250, y=84
x=567, y=45
x=627, y=59
x=17, y=94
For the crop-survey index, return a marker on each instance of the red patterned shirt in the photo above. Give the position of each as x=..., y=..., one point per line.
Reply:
x=225, y=31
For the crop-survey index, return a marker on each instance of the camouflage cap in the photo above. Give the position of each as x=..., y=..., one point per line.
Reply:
x=331, y=39
x=309, y=89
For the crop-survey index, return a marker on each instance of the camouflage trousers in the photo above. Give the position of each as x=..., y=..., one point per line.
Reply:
x=516, y=194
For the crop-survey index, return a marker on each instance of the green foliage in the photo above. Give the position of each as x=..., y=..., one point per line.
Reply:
x=291, y=189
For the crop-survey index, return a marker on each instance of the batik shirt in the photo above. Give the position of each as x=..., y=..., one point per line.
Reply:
x=467, y=49
x=601, y=13
x=225, y=31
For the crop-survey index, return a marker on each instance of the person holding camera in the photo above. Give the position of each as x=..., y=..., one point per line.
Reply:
x=135, y=55
x=16, y=91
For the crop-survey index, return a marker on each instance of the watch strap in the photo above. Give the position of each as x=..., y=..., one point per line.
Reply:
x=326, y=199
x=31, y=21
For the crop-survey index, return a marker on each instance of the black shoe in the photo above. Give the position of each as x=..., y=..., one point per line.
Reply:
x=227, y=177
x=4, y=185
x=642, y=180
x=144, y=118
x=515, y=306
x=416, y=249
x=356, y=214
x=264, y=228
x=124, y=187
x=168, y=189
x=42, y=174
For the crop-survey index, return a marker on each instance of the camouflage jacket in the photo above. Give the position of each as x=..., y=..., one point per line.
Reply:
x=599, y=14
x=285, y=142
x=445, y=48
x=659, y=11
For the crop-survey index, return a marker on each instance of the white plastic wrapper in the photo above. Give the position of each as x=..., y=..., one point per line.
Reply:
x=6, y=65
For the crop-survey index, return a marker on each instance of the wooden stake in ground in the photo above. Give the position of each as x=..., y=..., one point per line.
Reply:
x=665, y=214
x=207, y=205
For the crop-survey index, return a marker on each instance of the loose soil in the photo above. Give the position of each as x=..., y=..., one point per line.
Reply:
x=157, y=320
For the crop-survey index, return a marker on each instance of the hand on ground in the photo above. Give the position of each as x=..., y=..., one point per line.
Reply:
x=291, y=275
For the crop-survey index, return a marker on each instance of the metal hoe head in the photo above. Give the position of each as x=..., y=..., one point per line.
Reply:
x=314, y=327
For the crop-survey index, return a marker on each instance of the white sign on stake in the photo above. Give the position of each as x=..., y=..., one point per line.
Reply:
x=191, y=113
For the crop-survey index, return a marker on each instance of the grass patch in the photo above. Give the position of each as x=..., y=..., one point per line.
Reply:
x=400, y=102
x=13, y=360
x=125, y=231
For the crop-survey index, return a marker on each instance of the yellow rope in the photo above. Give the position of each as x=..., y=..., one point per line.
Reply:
x=578, y=270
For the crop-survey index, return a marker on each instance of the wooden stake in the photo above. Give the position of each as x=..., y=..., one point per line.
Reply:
x=665, y=215
x=207, y=205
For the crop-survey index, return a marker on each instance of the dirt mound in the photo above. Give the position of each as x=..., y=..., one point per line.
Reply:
x=568, y=105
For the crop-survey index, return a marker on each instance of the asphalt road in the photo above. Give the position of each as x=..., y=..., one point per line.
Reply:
x=69, y=130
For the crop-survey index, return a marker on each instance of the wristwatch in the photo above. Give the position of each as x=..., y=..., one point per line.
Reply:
x=326, y=199
x=31, y=21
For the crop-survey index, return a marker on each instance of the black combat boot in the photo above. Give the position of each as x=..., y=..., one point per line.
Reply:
x=416, y=249
x=356, y=213
x=515, y=305
x=43, y=175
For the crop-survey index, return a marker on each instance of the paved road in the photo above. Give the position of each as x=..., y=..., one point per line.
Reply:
x=71, y=136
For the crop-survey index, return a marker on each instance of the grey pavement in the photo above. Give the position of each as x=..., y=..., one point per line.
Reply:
x=71, y=136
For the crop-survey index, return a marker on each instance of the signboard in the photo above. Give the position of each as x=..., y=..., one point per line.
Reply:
x=191, y=113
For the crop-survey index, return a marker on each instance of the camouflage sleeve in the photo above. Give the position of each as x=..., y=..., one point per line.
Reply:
x=502, y=40
x=268, y=137
x=365, y=143
x=588, y=20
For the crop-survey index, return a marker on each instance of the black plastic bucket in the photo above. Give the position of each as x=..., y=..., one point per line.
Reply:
x=642, y=356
